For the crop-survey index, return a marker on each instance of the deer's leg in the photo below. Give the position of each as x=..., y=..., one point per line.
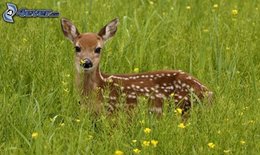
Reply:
x=156, y=106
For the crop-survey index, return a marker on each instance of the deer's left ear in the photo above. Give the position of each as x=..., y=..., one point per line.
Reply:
x=109, y=30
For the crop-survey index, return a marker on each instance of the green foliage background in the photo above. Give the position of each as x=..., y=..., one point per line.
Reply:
x=37, y=92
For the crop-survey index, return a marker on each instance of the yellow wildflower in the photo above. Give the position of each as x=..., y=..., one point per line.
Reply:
x=141, y=122
x=211, y=145
x=146, y=143
x=226, y=151
x=82, y=62
x=234, y=12
x=77, y=120
x=179, y=110
x=118, y=152
x=181, y=125
x=251, y=122
x=136, y=151
x=24, y=40
x=188, y=7
x=172, y=95
x=136, y=70
x=35, y=135
x=90, y=137
x=134, y=141
x=205, y=30
x=242, y=142
x=151, y=2
x=147, y=130
x=64, y=82
x=154, y=143
x=215, y=6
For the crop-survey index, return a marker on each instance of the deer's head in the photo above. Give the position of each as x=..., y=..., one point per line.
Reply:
x=88, y=46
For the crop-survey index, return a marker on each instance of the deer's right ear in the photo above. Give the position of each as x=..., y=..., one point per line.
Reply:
x=69, y=30
x=109, y=30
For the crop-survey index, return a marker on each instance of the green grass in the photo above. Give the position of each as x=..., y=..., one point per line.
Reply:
x=37, y=90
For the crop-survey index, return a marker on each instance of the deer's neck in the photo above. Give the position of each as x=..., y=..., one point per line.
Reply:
x=91, y=81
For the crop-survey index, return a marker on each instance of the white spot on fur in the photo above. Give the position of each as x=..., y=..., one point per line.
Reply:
x=115, y=84
x=159, y=95
x=112, y=98
x=188, y=77
x=156, y=109
x=146, y=89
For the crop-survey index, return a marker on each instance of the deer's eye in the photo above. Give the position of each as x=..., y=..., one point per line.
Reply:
x=98, y=50
x=77, y=48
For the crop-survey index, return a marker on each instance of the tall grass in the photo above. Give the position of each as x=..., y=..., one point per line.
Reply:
x=39, y=111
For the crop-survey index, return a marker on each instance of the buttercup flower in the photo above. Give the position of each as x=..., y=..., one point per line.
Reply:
x=118, y=152
x=136, y=151
x=211, y=145
x=146, y=143
x=226, y=151
x=179, y=110
x=136, y=70
x=242, y=142
x=234, y=12
x=35, y=135
x=181, y=125
x=154, y=143
x=147, y=130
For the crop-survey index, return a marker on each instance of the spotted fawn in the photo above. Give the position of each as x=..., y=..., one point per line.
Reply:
x=157, y=86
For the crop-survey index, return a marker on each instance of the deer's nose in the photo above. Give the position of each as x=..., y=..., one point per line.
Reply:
x=86, y=63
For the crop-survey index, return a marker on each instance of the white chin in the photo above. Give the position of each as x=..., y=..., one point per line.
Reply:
x=87, y=69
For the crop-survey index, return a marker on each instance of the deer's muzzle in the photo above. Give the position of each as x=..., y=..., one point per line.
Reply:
x=86, y=63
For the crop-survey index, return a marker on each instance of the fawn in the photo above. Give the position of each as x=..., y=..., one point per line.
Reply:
x=156, y=86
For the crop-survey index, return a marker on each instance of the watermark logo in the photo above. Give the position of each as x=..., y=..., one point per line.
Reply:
x=27, y=13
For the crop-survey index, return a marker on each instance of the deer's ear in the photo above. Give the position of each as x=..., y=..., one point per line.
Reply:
x=69, y=30
x=109, y=30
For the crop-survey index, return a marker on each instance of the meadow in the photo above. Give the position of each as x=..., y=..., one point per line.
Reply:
x=216, y=41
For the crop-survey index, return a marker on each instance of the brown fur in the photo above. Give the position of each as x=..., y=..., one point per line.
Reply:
x=156, y=86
